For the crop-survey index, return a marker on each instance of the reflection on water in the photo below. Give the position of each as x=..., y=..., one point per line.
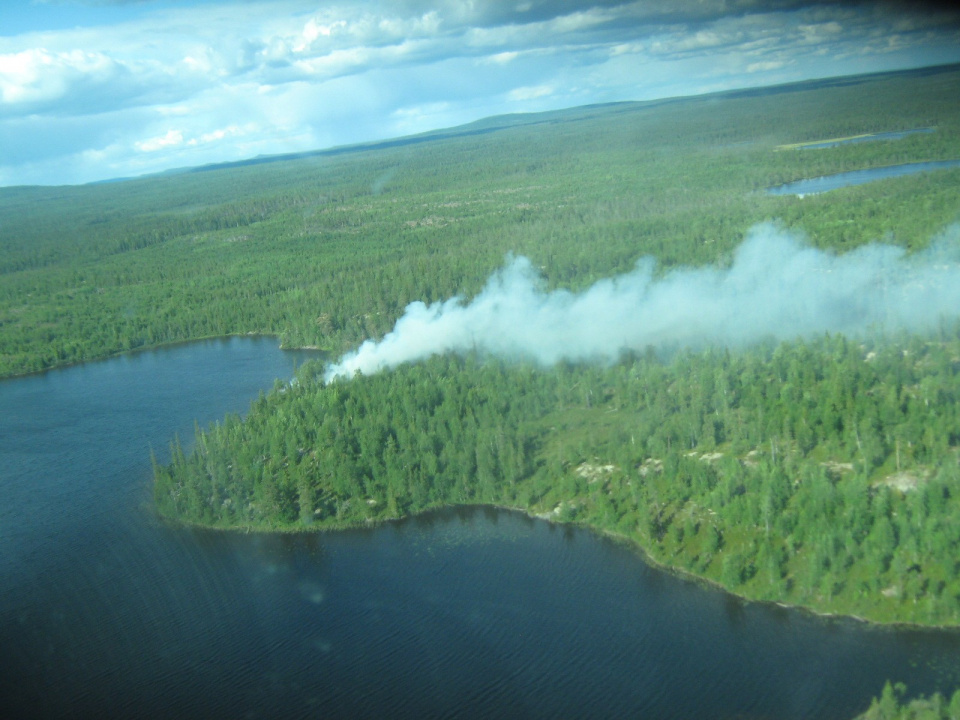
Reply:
x=105, y=611
x=826, y=183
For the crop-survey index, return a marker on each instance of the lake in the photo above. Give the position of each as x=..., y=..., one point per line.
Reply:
x=826, y=183
x=107, y=611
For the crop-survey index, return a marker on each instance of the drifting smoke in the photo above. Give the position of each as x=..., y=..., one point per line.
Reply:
x=775, y=288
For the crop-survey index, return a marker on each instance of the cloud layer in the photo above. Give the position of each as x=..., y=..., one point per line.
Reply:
x=182, y=82
x=776, y=288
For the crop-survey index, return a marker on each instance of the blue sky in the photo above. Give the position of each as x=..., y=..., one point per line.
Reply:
x=97, y=89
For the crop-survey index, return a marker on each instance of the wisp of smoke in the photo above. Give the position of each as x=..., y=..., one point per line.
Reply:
x=776, y=288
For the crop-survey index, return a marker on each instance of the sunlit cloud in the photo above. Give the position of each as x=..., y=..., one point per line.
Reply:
x=531, y=93
x=37, y=75
x=502, y=58
x=170, y=138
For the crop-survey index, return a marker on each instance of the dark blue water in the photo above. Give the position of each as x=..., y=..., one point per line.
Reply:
x=107, y=612
x=826, y=183
x=891, y=135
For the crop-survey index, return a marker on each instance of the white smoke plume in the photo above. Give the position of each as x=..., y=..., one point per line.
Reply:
x=776, y=287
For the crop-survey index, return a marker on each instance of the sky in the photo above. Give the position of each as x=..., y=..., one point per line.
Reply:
x=98, y=89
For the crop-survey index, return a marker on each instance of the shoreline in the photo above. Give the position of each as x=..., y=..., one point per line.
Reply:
x=162, y=346
x=634, y=544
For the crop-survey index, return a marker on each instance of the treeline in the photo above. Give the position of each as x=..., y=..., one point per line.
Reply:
x=327, y=251
x=820, y=473
x=891, y=706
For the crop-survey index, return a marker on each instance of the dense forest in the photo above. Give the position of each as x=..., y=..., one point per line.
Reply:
x=326, y=251
x=821, y=471
x=891, y=706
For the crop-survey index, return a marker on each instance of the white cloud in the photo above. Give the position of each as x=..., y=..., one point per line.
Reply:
x=580, y=21
x=820, y=32
x=531, y=93
x=502, y=58
x=338, y=62
x=170, y=139
x=224, y=133
x=37, y=75
x=313, y=30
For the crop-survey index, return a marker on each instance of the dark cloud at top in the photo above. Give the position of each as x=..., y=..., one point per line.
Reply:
x=629, y=13
x=121, y=3
x=586, y=23
x=492, y=13
x=505, y=12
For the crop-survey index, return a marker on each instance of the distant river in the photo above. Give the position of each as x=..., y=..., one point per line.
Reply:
x=107, y=612
x=825, y=183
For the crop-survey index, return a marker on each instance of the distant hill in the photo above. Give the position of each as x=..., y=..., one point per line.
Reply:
x=501, y=122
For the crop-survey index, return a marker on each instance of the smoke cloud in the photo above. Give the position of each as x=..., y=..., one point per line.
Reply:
x=776, y=288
